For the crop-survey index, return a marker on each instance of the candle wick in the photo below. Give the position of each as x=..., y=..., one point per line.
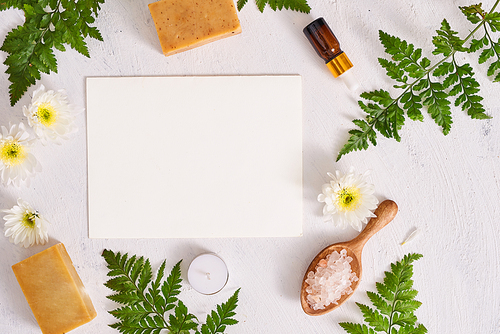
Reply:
x=208, y=276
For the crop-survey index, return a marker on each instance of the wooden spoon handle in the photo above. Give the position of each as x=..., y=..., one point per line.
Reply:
x=385, y=213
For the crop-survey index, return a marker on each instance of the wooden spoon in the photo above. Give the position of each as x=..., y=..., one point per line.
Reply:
x=385, y=212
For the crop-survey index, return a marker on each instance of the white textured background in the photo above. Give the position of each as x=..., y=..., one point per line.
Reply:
x=448, y=186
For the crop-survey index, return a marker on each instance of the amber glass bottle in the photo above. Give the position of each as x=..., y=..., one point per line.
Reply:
x=327, y=46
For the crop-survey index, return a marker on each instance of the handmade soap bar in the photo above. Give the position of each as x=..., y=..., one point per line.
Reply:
x=54, y=291
x=185, y=24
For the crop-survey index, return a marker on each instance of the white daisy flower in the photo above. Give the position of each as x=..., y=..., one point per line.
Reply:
x=25, y=226
x=50, y=115
x=348, y=199
x=17, y=164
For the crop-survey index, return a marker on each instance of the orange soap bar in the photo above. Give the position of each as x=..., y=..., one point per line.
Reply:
x=185, y=24
x=54, y=291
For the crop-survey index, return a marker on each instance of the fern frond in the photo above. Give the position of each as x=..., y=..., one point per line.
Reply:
x=172, y=287
x=394, y=303
x=181, y=321
x=412, y=73
x=217, y=321
x=296, y=5
x=146, y=301
x=356, y=328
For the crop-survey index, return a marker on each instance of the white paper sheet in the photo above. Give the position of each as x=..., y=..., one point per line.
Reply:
x=188, y=157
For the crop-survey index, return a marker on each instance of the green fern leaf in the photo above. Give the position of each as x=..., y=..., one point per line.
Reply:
x=394, y=71
x=359, y=139
x=494, y=66
x=241, y=4
x=408, y=329
x=296, y=5
x=374, y=318
x=488, y=47
x=407, y=295
x=396, y=120
x=466, y=87
x=412, y=104
x=405, y=55
x=381, y=96
x=473, y=13
x=477, y=44
x=387, y=118
x=394, y=304
x=47, y=25
x=404, y=319
x=356, y=328
x=438, y=106
x=172, y=287
x=145, y=276
x=486, y=54
x=379, y=302
x=181, y=321
x=128, y=265
x=447, y=42
x=493, y=20
x=120, y=283
x=217, y=321
x=391, y=280
x=393, y=45
x=407, y=306
x=146, y=300
x=412, y=73
x=6, y=4
x=407, y=283
x=155, y=290
x=444, y=69
x=125, y=298
x=385, y=292
x=132, y=313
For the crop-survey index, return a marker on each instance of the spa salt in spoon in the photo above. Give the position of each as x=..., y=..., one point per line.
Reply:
x=385, y=213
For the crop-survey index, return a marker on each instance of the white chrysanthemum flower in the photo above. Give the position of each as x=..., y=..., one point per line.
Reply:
x=50, y=115
x=348, y=199
x=16, y=162
x=25, y=226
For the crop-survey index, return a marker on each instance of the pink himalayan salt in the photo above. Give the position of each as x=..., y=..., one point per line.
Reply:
x=333, y=278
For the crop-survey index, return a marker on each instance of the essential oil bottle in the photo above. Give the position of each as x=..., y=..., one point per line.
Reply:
x=327, y=47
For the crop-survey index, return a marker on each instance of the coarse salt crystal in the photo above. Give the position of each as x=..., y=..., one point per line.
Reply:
x=332, y=279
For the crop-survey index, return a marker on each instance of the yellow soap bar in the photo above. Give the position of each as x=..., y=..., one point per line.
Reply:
x=185, y=24
x=54, y=291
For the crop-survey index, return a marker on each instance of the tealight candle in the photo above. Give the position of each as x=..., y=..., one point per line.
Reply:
x=208, y=273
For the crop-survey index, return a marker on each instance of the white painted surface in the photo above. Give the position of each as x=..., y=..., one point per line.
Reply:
x=446, y=185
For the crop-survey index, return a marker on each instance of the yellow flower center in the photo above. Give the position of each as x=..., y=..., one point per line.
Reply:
x=46, y=114
x=29, y=219
x=348, y=199
x=12, y=153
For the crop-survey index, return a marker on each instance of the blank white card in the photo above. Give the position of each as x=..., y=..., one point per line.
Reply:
x=194, y=157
